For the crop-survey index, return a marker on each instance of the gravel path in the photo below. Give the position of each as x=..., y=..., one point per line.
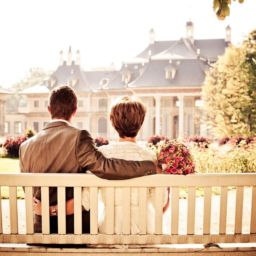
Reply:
x=166, y=221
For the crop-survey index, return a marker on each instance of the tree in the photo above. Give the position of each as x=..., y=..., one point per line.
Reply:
x=229, y=92
x=222, y=8
x=36, y=76
x=250, y=65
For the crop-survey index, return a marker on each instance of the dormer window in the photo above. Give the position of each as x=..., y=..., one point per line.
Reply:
x=171, y=70
x=52, y=82
x=72, y=83
x=170, y=73
x=104, y=83
x=126, y=76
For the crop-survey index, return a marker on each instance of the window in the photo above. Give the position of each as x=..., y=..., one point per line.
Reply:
x=79, y=125
x=17, y=127
x=36, y=103
x=103, y=104
x=46, y=123
x=102, y=126
x=80, y=103
x=46, y=103
x=36, y=126
x=6, y=127
x=198, y=103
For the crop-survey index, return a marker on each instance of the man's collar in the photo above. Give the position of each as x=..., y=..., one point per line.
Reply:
x=60, y=120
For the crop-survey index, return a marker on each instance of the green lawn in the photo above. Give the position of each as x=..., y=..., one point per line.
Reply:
x=10, y=165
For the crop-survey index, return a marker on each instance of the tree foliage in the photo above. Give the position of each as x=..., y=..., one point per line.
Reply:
x=35, y=76
x=229, y=92
x=222, y=8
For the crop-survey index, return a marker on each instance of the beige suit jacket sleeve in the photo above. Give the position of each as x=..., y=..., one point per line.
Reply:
x=89, y=157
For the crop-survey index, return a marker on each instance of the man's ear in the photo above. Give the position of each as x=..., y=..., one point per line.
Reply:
x=74, y=113
x=49, y=109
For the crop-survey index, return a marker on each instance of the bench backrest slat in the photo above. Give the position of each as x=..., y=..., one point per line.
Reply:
x=78, y=210
x=126, y=210
x=253, y=212
x=175, y=211
x=61, y=210
x=239, y=209
x=29, y=210
x=13, y=210
x=223, y=210
x=94, y=210
x=158, y=202
x=191, y=210
x=143, y=210
x=110, y=210
x=45, y=210
x=207, y=210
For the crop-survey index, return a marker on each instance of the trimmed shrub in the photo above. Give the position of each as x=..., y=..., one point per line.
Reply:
x=12, y=145
x=198, y=141
x=154, y=139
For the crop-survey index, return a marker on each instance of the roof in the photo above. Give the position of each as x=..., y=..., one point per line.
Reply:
x=184, y=48
x=4, y=91
x=100, y=79
x=181, y=49
x=71, y=75
x=188, y=73
x=211, y=48
x=134, y=69
x=155, y=48
x=184, y=60
x=36, y=89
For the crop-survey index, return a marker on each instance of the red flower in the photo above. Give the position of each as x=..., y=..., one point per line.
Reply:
x=176, y=158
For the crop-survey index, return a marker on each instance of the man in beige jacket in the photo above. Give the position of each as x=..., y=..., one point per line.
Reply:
x=62, y=148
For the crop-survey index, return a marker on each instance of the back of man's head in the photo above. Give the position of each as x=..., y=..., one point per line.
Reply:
x=62, y=102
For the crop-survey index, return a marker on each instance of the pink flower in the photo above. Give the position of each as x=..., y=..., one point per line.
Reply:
x=175, y=158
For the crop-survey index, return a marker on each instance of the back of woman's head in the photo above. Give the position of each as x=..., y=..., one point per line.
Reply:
x=127, y=116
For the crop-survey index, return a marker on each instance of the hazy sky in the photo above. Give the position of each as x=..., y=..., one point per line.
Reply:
x=34, y=31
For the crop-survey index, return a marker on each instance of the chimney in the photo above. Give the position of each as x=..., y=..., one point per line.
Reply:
x=78, y=57
x=61, y=58
x=190, y=31
x=69, y=59
x=151, y=36
x=228, y=34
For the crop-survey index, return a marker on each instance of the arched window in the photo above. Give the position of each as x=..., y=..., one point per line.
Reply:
x=102, y=126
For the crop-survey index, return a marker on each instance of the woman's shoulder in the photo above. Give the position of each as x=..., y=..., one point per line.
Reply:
x=128, y=151
x=147, y=153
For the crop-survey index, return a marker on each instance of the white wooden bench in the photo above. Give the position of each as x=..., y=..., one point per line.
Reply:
x=219, y=224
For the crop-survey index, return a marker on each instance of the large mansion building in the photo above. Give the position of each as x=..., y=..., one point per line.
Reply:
x=3, y=96
x=167, y=76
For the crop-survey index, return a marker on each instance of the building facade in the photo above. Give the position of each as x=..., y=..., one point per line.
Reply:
x=3, y=96
x=167, y=76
